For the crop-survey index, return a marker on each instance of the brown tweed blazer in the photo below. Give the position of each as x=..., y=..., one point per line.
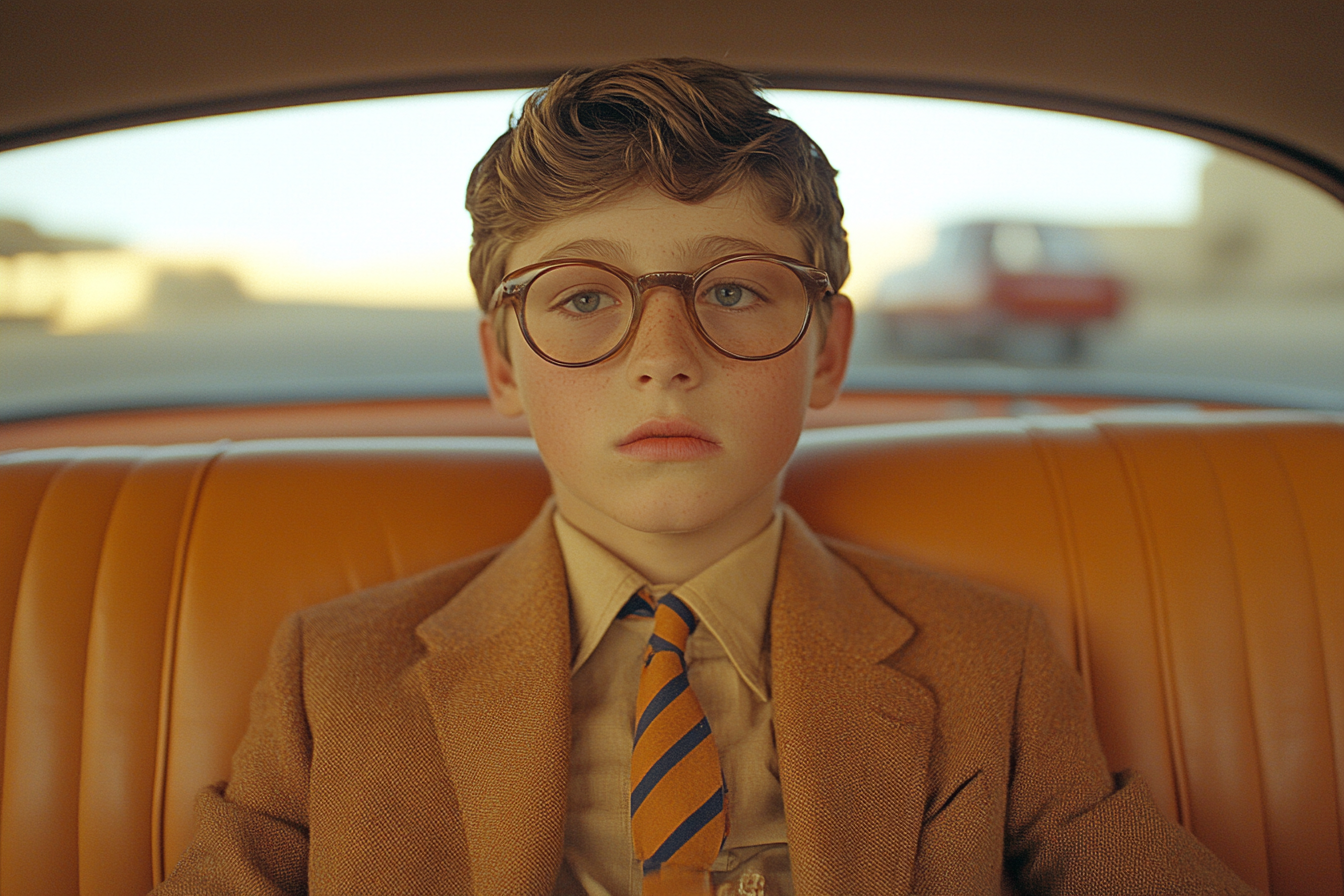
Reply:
x=413, y=739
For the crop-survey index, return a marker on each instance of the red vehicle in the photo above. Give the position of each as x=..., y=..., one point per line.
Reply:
x=1011, y=290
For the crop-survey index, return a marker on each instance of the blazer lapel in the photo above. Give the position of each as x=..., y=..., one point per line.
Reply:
x=496, y=679
x=853, y=734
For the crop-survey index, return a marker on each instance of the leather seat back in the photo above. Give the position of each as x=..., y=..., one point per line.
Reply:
x=1190, y=564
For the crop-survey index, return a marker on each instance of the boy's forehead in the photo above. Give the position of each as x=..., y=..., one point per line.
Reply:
x=645, y=227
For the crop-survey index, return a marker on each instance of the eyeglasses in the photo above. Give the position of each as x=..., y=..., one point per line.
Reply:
x=575, y=312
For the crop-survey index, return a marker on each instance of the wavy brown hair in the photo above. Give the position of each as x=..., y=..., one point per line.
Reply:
x=688, y=128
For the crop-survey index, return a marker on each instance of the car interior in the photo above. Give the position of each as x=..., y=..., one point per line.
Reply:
x=1184, y=533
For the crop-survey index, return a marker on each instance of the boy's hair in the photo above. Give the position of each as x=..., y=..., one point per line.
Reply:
x=687, y=128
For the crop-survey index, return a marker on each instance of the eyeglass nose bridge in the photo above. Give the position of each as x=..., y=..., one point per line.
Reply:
x=681, y=282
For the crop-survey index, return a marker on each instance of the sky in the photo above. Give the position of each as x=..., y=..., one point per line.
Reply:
x=376, y=185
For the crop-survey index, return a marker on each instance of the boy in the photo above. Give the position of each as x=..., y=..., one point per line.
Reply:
x=668, y=684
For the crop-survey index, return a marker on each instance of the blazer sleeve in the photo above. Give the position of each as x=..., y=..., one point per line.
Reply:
x=252, y=833
x=1070, y=826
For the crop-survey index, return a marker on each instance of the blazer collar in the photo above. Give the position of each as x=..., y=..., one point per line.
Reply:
x=496, y=679
x=853, y=733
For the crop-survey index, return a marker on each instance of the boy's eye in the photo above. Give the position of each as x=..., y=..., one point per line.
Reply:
x=584, y=302
x=730, y=295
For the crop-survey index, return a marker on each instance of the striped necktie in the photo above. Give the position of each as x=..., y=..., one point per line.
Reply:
x=678, y=813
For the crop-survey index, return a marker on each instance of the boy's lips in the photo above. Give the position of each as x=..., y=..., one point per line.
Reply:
x=668, y=440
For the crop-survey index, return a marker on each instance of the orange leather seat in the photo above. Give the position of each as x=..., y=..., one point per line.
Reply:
x=1192, y=565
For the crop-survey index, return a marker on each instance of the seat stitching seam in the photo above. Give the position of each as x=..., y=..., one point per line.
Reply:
x=1158, y=608
x=185, y=526
x=127, y=473
x=18, y=594
x=1068, y=535
x=1201, y=442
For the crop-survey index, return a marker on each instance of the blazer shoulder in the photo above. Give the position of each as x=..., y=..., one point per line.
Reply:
x=974, y=645
x=936, y=601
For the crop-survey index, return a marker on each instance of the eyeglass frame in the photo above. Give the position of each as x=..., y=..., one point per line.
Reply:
x=512, y=290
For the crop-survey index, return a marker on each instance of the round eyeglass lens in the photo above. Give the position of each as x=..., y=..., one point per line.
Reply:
x=576, y=313
x=751, y=307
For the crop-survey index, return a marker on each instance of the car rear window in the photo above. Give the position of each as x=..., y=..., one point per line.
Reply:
x=319, y=252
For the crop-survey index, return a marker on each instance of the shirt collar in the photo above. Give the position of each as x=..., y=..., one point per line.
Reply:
x=731, y=597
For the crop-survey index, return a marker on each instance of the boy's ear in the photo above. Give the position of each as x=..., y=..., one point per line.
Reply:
x=833, y=356
x=499, y=379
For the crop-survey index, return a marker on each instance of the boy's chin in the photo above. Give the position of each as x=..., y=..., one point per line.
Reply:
x=663, y=520
x=676, y=515
x=671, y=524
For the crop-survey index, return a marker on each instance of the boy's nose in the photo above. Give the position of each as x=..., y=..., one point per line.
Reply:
x=665, y=348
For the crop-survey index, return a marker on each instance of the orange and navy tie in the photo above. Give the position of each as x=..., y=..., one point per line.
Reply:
x=678, y=813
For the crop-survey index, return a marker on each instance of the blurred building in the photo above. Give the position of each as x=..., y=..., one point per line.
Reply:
x=1258, y=231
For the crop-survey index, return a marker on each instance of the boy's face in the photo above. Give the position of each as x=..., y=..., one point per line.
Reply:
x=668, y=436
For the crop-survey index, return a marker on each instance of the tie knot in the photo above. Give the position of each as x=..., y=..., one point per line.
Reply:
x=673, y=623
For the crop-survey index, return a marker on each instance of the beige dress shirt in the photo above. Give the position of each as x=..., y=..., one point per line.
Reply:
x=728, y=663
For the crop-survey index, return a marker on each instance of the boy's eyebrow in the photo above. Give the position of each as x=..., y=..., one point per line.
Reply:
x=591, y=248
x=711, y=247
x=705, y=248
